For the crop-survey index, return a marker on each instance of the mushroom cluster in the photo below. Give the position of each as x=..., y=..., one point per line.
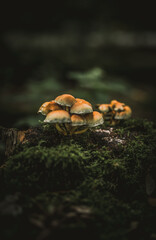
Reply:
x=114, y=112
x=70, y=115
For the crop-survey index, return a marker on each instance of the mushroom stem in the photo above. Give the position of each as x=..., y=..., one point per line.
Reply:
x=68, y=127
x=67, y=108
x=65, y=128
x=60, y=129
x=72, y=130
x=81, y=131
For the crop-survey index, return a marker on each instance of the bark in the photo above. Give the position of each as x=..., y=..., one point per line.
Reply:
x=11, y=138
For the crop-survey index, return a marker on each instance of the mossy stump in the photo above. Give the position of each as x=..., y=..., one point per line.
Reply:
x=98, y=185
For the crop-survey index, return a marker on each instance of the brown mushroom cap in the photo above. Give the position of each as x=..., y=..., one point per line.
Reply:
x=81, y=108
x=48, y=106
x=80, y=100
x=94, y=119
x=65, y=100
x=77, y=120
x=53, y=106
x=117, y=106
x=58, y=116
x=44, y=108
x=113, y=102
x=104, y=108
x=124, y=114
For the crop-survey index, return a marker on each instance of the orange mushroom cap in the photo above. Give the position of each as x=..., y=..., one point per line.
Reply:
x=77, y=120
x=44, y=108
x=117, y=106
x=58, y=116
x=94, y=119
x=65, y=100
x=81, y=108
x=104, y=108
x=47, y=107
x=80, y=100
x=124, y=114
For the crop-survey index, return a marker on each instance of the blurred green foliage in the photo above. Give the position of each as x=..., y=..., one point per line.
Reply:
x=97, y=85
x=97, y=79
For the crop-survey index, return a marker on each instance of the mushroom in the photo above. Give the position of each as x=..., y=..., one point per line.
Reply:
x=47, y=107
x=44, y=108
x=89, y=120
x=81, y=107
x=70, y=115
x=82, y=100
x=114, y=112
x=94, y=119
x=105, y=108
x=76, y=122
x=53, y=106
x=58, y=117
x=117, y=106
x=125, y=114
x=65, y=100
x=107, y=112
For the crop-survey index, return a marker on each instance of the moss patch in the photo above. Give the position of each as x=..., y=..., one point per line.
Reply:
x=40, y=168
x=92, y=185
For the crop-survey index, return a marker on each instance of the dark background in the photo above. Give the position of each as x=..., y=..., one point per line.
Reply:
x=97, y=50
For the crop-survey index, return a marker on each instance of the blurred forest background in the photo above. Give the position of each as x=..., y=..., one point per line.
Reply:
x=93, y=49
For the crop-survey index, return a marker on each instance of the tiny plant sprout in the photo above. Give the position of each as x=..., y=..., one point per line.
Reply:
x=114, y=112
x=70, y=115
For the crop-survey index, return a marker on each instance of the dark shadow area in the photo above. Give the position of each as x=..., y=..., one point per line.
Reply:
x=100, y=184
x=97, y=50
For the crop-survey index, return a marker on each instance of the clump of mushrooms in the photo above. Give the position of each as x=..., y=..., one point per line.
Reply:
x=114, y=112
x=70, y=115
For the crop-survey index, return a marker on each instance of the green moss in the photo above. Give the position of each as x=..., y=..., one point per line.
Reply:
x=41, y=168
x=85, y=183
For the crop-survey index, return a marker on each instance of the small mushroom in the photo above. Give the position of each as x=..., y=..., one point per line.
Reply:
x=81, y=108
x=117, y=106
x=53, y=106
x=94, y=119
x=76, y=122
x=47, y=107
x=125, y=114
x=66, y=100
x=114, y=112
x=58, y=117
x=80, y=100
x=44, y=108
x=107, y=112
x=105, y=108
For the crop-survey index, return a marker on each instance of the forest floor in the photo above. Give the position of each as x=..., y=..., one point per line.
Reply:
x=97, y=185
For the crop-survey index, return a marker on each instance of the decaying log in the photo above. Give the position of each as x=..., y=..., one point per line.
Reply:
x=11, y=138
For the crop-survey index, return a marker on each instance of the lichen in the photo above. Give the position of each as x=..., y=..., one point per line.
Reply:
x=83, y=185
